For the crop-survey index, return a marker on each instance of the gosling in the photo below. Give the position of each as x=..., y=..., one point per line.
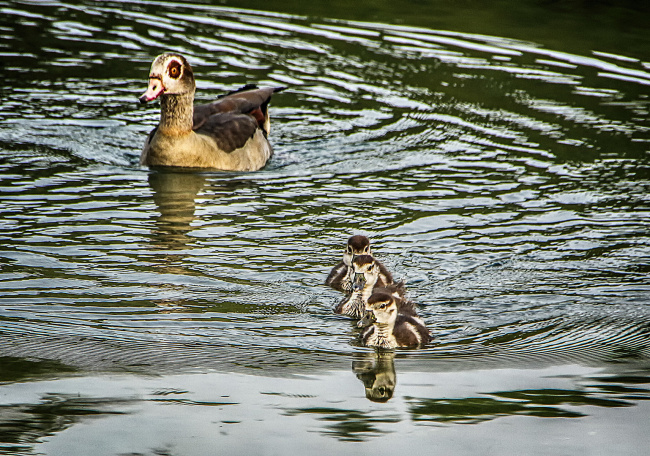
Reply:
x=340, y=277
x=367, y=272
x=390, y=328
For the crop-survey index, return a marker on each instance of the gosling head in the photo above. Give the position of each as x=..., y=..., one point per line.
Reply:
x=357, y=245
x=366, y=272
x=383, y=307
x=170, y=74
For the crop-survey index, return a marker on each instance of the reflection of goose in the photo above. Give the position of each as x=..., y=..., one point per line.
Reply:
x=174, y=194
x=340, y=277
x=366, y=281
x=378, y=375
x=229, y=133
x=392, y=329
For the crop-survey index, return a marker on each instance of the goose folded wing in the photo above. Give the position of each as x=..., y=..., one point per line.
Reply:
x=247, y=100
x=230, y=131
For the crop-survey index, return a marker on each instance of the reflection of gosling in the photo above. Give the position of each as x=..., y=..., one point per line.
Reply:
x=392, y=329
x=378, y=376
x=340, y=278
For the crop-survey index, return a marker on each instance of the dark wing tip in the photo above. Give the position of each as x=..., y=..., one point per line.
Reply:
x=241, y=89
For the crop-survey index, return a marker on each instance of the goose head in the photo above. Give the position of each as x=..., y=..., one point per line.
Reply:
x=357, y=245
x=366, y=272
x=170, y=74
x=383, y=308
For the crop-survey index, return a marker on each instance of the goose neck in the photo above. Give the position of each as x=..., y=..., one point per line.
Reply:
x=176, y=114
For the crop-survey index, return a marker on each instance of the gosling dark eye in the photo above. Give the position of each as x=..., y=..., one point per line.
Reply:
x=174, y=70
x=365, y=250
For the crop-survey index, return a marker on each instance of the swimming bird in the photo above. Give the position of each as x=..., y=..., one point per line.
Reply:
x=365, y=282
x=340, y=277
x=228, y=134
x=392, y=329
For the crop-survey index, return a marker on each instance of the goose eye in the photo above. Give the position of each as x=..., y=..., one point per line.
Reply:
x=365, y=250
x=349, y=249
x=174, y=70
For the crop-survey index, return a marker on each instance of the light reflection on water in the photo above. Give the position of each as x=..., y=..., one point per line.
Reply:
x=254, y=414
x=506, y=182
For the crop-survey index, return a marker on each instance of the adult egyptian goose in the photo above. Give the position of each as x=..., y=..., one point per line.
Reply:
x=340, y=277
x=365, y=282
x=227, y=134
x=392, y=329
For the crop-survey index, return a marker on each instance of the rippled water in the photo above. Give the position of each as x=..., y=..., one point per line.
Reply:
x=506, y=181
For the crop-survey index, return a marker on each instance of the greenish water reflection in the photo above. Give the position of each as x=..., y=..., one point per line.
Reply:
x=241, y=410
x=573, y=25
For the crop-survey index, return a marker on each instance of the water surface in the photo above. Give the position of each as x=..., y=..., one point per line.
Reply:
x=502, y=172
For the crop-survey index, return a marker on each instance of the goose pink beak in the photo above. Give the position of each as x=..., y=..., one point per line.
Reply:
x=153, y=91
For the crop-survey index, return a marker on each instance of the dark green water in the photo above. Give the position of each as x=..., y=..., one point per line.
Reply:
x=497, y=156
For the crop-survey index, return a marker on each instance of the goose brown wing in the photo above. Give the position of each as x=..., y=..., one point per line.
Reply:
x=230, y=131
x=247, y=100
